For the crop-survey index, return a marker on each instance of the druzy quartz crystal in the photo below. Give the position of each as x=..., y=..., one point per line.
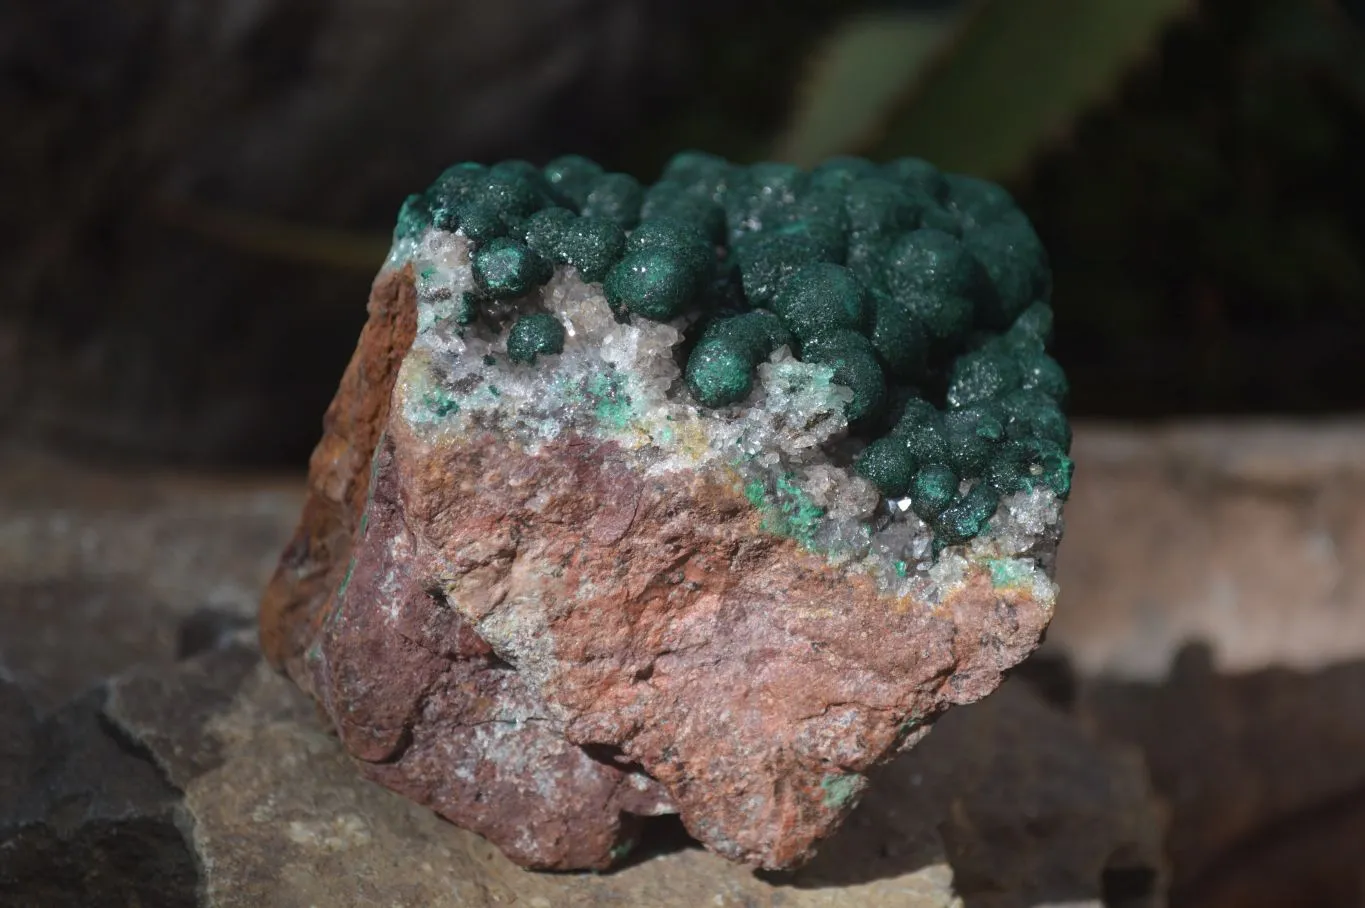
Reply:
x=695, y=498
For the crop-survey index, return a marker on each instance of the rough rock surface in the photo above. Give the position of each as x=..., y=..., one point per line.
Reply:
x=339, y=475
x=85, y=818
x=546, y=638
x=100, y=573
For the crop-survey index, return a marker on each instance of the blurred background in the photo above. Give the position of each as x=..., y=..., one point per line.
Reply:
x=194, y=198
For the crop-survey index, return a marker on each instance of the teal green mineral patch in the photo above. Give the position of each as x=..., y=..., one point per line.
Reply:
x=786, y=509
x=613, y=404
x=413, y=218
x=926, y=293
x=1010, y=571
x=909, y=725
x=440, y=402
x=855, y=366
x=721, y=367
x=839, y=789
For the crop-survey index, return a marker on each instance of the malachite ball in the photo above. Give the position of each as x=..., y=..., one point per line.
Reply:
x=572, y=178
x=534, y=335
x=507, y=268
x=932, y=489
x=719, y=372
x=616, y=197
x=652, y=283
x=822, y=298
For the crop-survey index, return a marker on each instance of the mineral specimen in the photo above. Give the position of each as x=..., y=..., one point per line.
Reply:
x=701, y=498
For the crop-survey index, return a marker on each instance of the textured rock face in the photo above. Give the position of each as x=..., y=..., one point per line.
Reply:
x=649, y=619
x=554, y=596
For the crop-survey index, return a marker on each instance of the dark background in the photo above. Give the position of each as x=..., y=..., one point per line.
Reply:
x=194, y=196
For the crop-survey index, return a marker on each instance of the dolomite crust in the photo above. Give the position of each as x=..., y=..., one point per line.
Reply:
x=576, y=598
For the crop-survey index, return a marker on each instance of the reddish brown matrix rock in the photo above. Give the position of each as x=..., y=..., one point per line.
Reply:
x=549, y=594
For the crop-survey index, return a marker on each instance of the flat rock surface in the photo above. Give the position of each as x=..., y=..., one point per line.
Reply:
x=1249, y=537
x=100, y=571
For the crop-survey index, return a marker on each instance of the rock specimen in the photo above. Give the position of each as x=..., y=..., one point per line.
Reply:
x=701, y=498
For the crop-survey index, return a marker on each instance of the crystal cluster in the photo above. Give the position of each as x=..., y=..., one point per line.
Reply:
x=855, y=332
x=924, y=294
x=699, y=498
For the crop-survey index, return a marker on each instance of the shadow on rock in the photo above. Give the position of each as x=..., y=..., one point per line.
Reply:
x=1024, y=805
x=87, y=819
x=1264, y=774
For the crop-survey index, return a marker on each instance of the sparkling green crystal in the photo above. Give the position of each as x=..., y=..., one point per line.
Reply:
x=533, y=335
x=700, y=173
x=938, y=280
x=1017, y=264
x=760, y=196
x=877, y=206
x=933, y=488
x=572, y=177
x=720, y=369
x=654, y=283
x=899, y=338
x=821, y=298
x=838, y=173
x=888, y=465
x=918, y=174
x=590, y=244
x=718, y=373
x=413, y=218
x=506, y=268
x=967, y=516
x=679, y=237
x=983, y=375
x=674, y=201
x=766, y=260
x=467, y=310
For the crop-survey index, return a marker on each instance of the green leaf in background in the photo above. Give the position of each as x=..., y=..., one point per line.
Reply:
x=856, y=78
x=1017, y=75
